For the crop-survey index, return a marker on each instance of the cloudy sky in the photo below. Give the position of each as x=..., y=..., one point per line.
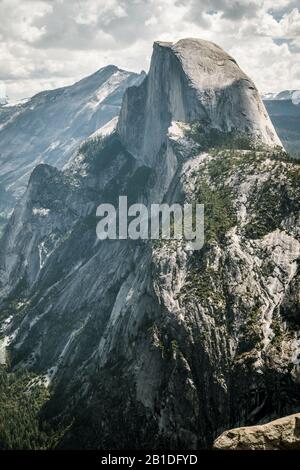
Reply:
x=49, y=43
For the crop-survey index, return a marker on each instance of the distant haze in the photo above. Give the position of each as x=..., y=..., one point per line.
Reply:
x=296, y=97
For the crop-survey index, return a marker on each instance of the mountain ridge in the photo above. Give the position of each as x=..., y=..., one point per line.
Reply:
x=119, y=329
x=50, y=126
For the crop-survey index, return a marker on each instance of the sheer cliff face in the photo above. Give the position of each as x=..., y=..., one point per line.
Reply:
x=191, y=80
x=147, y=344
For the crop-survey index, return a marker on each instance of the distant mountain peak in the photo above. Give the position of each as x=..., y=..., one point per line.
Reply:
x=50, y=126
x=284, y=110
x=292, y=95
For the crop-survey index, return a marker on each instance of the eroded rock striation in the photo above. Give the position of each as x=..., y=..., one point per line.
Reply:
x=191, y=80
x=49, y=127
x=148, y=344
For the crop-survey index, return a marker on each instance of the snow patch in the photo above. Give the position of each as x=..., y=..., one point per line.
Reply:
x=42, y=212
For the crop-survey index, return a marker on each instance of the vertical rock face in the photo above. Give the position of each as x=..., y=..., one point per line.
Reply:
x=191, y=80
x=175, y=345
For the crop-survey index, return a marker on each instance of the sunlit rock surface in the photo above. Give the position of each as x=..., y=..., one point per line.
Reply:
x=49, y=127
x=191, y=80
x=282, y=434
x=147, y=344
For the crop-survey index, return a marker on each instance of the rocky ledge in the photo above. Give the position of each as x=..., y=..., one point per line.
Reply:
x=282, y=434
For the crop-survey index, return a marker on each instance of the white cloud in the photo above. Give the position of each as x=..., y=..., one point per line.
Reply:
x=290, y=24
x=50, y=43
x=277, y=4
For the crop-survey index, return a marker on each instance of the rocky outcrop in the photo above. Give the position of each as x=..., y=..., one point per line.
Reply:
x=119, y=329
x=282, y=434
x=191, y=80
